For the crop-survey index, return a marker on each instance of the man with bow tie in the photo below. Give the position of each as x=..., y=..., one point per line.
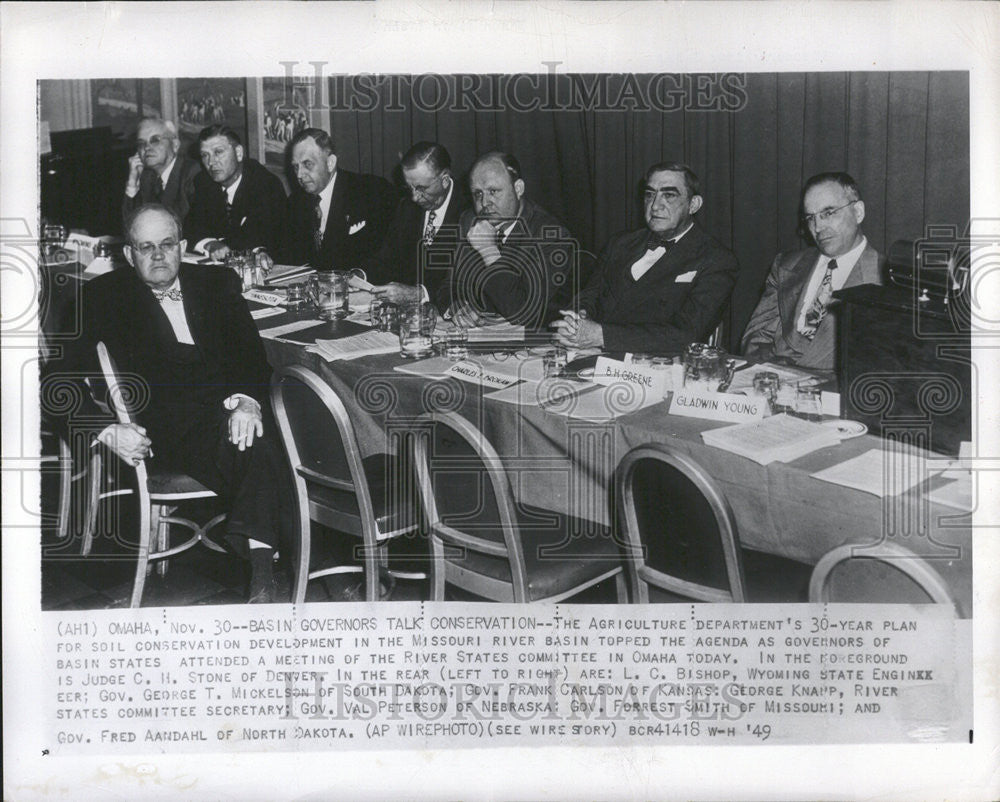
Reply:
x=657, y=289
x=417, y=252
x=187, y=333
x=158, y=171
x=238, y=203
x=336, y=218
x=515, y=260
x=792, y=322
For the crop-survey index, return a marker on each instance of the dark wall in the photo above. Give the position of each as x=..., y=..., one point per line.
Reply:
x=753, y=139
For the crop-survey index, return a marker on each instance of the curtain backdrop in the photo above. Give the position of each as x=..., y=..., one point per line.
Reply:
x=585, y=141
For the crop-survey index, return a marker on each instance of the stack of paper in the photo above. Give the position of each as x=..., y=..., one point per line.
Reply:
x=369, y=343
x=497, y=332
x=780, y=438
x=881, y=473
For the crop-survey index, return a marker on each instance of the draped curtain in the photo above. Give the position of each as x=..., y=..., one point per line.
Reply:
x=585, y=141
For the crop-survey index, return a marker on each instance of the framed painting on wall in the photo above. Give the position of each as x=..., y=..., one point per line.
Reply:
x=210, y=101
x=121, y=102
x=285, y=112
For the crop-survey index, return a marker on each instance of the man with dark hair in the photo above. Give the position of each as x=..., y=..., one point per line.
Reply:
x=791, y=323
x=238, y=203
x=659, y=288
x=417, y=251
x=186, y=331
x=515, y=260
x=158, y=171
x=339, y=218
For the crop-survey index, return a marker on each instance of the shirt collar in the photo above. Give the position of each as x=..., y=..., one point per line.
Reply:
x=165, y=175
x=654, y=242
x=231, y=189
x=326, y=194
x=846, y=261
x=441, y=210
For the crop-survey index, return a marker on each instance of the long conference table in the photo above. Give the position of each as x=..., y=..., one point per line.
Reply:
x=566, y=464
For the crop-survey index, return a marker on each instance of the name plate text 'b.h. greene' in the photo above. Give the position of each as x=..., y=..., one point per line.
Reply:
x=650, y=380
x=717, y=406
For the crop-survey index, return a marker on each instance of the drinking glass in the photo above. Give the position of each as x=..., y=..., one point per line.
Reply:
x=456, y=344
x=296, y=297
x=416, y=327
x=765, y=387
x=808, y=403
x=332, y=295
x=706, y=368
x=554, y=362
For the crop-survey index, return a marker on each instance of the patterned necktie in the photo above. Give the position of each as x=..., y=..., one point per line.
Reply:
x=173, y=295
x=429, y=229
x=817, y=311
x=317, y=223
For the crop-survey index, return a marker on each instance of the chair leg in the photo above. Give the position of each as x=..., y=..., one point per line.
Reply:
x=302, y=561
x=155, y=511
x=163, y=538
x=437, y=569
x=621, y=587
x=371, y=572
x=65, y=490
x=142, y=561
x=93, y=499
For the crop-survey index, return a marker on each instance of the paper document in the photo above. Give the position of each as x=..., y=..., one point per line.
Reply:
x=288, y=328
x=501, y=332
x=358, y=283
x=548, y=393
x=368, y=343
x=780, y=438
x=282, y=273
x=954, y=491
x=261, y=297
x=882, y=473
x=267, y=311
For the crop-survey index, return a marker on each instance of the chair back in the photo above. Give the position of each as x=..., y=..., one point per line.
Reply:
x=468, y=505
x=863, y=586
x=679, y=528
x=323, y=450
x=121, y=394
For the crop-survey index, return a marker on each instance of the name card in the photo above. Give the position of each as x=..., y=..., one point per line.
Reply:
x=261, y=297
x=475, y=374
x=650, y=380
x=717, y=406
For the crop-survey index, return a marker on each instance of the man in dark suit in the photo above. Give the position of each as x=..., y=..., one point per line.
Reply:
x=158, y=171
x=514, y=260
x=416, y=254
x=339, y=218
x=187, y=333
x=791, y=323
x=660, y=288
x=238, y=203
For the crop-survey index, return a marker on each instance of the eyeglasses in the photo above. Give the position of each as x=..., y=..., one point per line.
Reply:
x=152, y=142
x=425, y=190
x=823, y=216
x=147, y=248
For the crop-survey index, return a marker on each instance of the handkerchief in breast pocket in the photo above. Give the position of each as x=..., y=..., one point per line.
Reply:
x=686, y=278
x=356, y=227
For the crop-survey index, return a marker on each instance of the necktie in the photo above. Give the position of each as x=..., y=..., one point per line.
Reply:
x=173, y=295
x=817, y=311
x=229, y=209
x=157, y=189
x=429, y=230
x=317, y=223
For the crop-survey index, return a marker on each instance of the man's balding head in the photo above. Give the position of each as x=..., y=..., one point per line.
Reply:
x=497, y=187
x=157, y=143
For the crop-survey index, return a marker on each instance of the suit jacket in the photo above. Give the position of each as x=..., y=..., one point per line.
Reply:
x=403, y=255
x=679, y=300
x=121, y=310
x=360, y=212
x=258, y=213
x=531, y=281
x=772, y=332
x=177, y=194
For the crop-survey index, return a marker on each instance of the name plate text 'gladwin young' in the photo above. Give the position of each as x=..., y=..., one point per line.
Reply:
x=717, y=406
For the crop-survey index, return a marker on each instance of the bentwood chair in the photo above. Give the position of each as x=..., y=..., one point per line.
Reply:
x=159, y=493
x=884, y=573
x=485, y=544
x=334, y=485
x=682, y=536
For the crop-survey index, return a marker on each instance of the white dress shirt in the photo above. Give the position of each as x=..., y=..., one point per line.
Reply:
x=652, y=255
x=845, y=264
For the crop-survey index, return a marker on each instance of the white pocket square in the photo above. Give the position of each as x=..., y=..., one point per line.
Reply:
x=686, y=278
x=356, y=227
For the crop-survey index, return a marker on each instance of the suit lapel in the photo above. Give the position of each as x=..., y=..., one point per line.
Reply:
x=790, y=297
x=194, y=308
x=865, y=271
x=335, y=225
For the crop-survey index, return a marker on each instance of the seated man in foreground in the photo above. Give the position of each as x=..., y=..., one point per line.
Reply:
x=790, y=323
x=186, y=333
x=514, y=260
x=660, y=288
x=238, y=203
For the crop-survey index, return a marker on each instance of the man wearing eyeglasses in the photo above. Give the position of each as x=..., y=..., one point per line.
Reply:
x=792, y=324
x=158, y=171
x=185, y=334
x=413, y=261
x=657, y=289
